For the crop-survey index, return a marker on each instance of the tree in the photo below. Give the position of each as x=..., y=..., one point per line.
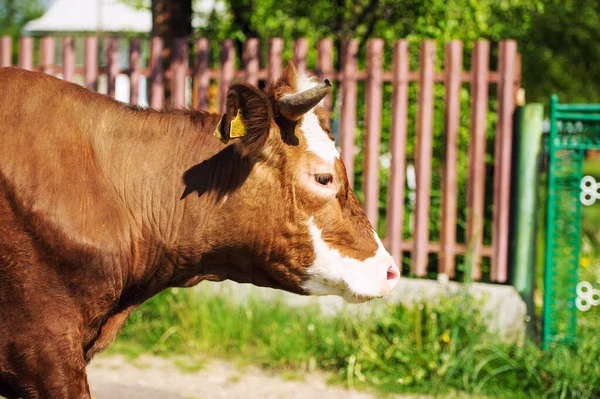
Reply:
x=559, y=43
x=14, y=14
x=171, y=19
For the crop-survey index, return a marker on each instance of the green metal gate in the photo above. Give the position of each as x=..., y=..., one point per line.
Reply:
x=574, y=128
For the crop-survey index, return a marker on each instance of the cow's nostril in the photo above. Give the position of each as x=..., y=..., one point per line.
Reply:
x=393, y=273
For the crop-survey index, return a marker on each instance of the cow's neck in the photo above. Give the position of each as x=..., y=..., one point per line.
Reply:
x=153, y=162
x=180, y=242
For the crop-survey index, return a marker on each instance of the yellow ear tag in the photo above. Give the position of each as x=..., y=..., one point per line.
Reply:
x=237, y=128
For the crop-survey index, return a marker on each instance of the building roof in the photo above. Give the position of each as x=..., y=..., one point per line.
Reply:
x=90, y=16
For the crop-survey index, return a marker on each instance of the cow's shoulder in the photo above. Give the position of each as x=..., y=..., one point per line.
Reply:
x=50, y=166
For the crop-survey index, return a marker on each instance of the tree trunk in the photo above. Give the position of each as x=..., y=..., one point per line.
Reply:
x=171, y=19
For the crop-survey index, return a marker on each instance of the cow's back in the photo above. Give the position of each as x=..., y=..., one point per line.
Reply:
x=49, y=165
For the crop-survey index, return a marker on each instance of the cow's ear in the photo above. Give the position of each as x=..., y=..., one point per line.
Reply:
x=247, y=119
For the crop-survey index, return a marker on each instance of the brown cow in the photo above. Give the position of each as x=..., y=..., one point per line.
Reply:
x=103, y=205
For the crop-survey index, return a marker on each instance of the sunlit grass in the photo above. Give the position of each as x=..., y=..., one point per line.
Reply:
x=437, y=349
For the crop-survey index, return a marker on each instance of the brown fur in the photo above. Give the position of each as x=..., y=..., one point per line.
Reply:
x=93, y=221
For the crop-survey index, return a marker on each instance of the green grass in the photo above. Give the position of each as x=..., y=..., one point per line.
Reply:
x=440, y=350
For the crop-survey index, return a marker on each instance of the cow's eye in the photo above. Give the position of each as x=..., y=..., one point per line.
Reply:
x=324, y=179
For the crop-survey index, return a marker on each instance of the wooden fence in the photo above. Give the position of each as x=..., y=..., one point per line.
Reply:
x=507, y=79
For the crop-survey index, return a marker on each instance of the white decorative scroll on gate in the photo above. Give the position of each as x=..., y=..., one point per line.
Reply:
x=587, y=296
x=590, y=191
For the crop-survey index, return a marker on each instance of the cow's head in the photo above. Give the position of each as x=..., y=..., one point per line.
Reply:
x=295, y=214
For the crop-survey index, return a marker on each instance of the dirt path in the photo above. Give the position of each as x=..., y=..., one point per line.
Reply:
x=151, y=377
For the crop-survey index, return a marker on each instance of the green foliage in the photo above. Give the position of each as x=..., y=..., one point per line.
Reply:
x=15, y=14
x=557, y=38
x=137, y=4
x=426, y=348
x=559, y=43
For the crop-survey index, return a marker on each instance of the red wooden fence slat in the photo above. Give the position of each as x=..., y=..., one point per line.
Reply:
x=517, y=81
x=325, y=64
x=157, y=79
x=374, y=103
x=502, y=166
x=477, y=150
x=5, y=51
x=453, y=67
x=395, y=211
x=135, y=66
x=348, y=111
x=26, y=52
x=179, y=66
x=47, y=55
x=201, y=73
x=300, y=51
x=274, y=67
x=423, y=159
x=112, y=65
x=68, y=58
x=90, y=62
x=227, y=71
x=250, y=59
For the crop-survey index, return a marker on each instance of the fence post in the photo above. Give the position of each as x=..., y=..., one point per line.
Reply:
x=420, y=252
x=502, y=165
x=325, y=64
x=300, y=50
x=201, y=74
x=26, y=52
x=527, y=148
x=453, y=66
x=47, y=54
x=90, y=63
x=373, y=105
x=348, y=111
x=157, y=78
x=68, y=59
x=179, y=66
x=227, y=71
x=112, y=65
x=250, y=58
x=395, y=215
x=5, y=51
x=476, y=182
x=274, y=67
x=135, y=67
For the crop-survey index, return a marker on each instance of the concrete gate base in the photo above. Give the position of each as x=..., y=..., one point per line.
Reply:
x=502, y=306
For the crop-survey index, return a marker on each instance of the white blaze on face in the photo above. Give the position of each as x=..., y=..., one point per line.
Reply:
x=317, y=140
x=332, y=273
x=356, y=280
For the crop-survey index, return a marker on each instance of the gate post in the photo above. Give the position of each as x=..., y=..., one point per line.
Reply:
x=574, y=129
x=526, y=149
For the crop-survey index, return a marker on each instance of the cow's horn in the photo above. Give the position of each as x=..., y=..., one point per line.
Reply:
x=293, y=106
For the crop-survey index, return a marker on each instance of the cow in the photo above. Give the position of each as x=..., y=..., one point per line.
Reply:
x=105, y=204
